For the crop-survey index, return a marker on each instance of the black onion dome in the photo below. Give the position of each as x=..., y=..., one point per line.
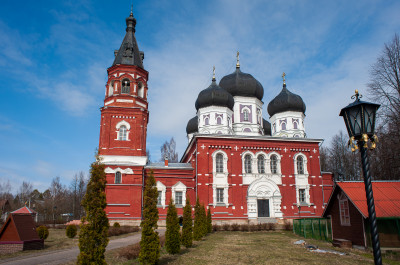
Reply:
x=242, y=84
x=214, y=95
x=267, y=127
x=192, y=125
x=286, y=101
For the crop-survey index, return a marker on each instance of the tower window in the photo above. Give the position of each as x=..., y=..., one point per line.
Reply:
x=117, y=177
x=219, y=120
x=300, y=165
x=246, y=115
x=126, y=86
x=283, y=126
x=140, y=90
x=260, y=164
x=274, y=164
x=219, y=163
x=122, y=133
x=247, y=164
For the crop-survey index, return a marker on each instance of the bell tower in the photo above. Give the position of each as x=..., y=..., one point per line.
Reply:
x=124, y=116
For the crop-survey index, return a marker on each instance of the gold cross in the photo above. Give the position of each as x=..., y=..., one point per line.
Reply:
x=237, y=60
x=283, y=77
x=214, y=72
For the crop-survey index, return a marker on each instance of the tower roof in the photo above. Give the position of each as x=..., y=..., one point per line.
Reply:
x=192, y=125
x=286, y=101
x=128, y=53
x=242, y=84
x=214, y=95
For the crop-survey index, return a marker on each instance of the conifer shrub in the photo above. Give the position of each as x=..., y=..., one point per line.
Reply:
x=93, y=238
x=116, y=225
x=197, y=228
x=43, y=232
x=150, y=241
x=71, y=231
x=209, y=221
x=204, y=225
x=187, y=225
x=172, y=235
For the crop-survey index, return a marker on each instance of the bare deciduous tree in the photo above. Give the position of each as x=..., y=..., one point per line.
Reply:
x=168, y=151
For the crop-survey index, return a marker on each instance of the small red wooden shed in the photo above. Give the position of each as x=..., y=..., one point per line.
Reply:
x=19, y=233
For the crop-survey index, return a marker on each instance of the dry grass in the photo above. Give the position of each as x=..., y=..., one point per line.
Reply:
x=255, y=248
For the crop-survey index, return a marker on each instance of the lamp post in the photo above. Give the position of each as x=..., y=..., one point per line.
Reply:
x=359, y=118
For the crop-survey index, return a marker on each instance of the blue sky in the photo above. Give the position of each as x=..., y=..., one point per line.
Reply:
x=54, y=56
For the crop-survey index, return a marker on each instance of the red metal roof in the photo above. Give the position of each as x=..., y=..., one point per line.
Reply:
x=386, y=197
x=25, y=209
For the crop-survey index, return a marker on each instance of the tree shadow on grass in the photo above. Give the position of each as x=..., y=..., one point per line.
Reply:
x=167, y=258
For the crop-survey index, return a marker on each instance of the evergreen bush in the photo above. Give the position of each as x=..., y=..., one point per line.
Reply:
x=209, y=221
x=93, y=238
x=43, y=232
x=150, y=241
x=197, y=228
x=117, y=225
x=71, y=231
x=187, y=225
x=172, y=235
x=204, y=224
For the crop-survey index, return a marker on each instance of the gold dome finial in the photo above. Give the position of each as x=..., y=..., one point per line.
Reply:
x=213, y=78
x=237, y=60
x=283, y=77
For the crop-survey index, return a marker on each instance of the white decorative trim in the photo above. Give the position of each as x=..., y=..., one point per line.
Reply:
x=124, y=160
x=125, y=100
x=108, y=102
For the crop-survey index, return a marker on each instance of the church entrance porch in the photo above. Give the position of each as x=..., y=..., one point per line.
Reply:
x=263, y=200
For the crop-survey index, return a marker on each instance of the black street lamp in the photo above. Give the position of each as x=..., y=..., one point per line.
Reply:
x=359, y=118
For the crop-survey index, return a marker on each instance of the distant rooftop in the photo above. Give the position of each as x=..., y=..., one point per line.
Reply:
x=170, y=165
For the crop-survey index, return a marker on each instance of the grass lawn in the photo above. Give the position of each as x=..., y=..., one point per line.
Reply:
x=256, y=248
x=57, y=240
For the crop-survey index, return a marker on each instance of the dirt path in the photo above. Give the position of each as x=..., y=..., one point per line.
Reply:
x=67, y=255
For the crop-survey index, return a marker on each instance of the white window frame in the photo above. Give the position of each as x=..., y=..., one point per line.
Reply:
x=225, y=163
x=277, y=166
x=161, y=187
x=120, y=177
x=219, y=163
x=122, y=133
x=344, y=210
x=304, y=164
x=179, y=186
x=118, y=127
x=248, y=169
x=262, y=164
x=140, y=87
x=176, y=198
x=219, y=198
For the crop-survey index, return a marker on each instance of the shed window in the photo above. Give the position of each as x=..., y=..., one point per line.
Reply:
x=344, y=211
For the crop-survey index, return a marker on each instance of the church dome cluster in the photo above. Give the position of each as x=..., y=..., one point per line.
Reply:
x=238, y=109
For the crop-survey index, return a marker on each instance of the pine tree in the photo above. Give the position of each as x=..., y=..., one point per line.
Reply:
x=209, y=221
x=150, y=242
x=187, y=225
x=197, y=228
x=93, y=238
x=172, y=235
x=204, y=225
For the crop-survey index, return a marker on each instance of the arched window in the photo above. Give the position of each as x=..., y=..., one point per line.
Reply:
x=245, y=115
x=140, y=89
x=274, y=164
x=126, y=86
x=219, y=120
x=111, y=88
x=283, y=126
x=247, y=164
x=294, y=125
x=219, y=163
x=261, y=164
x=117, y=177
x=122, y=133
x=300, y=165
x=206, y=121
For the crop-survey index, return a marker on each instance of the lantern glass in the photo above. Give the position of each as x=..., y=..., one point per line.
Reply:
x=359, y=118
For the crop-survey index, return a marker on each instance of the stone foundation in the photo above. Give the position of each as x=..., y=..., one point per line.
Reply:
x=11, y=247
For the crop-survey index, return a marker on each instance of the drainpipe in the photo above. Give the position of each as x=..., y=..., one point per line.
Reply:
x=196, y=169
x=141, y=213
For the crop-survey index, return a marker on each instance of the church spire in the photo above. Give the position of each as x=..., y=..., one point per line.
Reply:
x=128, y=53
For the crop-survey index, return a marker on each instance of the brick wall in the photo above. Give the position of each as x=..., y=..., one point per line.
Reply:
x=7, y=248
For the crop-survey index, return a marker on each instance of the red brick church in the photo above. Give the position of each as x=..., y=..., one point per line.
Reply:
x=242, y=167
